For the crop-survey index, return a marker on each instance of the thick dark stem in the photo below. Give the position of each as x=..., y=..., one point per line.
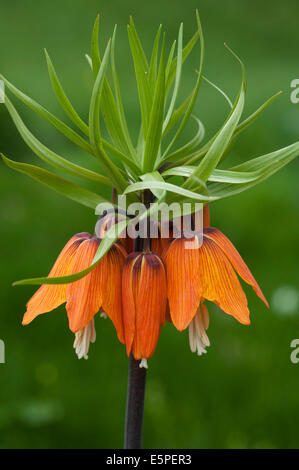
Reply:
x=137, y=375
x=135, y=405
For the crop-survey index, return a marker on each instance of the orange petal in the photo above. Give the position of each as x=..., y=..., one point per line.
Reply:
x=50, y=296
x=128, y=298
x=220, y=283
x=158, y=245
x=150, y=306
x=183, y=286
x=112, y=304
x=206, y=216
x=85, y=296
x=144, y=302
x=228, y=248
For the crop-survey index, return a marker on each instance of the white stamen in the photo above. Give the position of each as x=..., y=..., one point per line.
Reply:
x=198, y=338
x=143, y=363
x=83, y=338
x=104, y=315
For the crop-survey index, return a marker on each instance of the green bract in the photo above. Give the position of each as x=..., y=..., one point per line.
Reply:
x=153, y=162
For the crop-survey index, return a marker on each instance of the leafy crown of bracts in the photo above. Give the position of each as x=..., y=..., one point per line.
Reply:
x=154, y=161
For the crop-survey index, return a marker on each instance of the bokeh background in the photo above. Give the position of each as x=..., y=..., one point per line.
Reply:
x=244, y=392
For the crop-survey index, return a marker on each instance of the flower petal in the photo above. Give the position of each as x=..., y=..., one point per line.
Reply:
x=112, y=304
x=150, y=306
x=50, y=296
x=85, y=296
x=144, y=302
x=183, y=286
x=220, y=283
x=130, y=278
x=228, y=248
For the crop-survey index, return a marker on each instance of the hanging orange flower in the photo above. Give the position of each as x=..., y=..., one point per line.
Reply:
x=206, y=271
x=99, y=290
x=144, y=296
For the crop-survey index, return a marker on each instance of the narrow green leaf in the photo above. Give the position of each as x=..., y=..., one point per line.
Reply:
x=152, y=73
x=119, y=104
x=220, y=91
x=58, y=184
x=214, y=154
x=141, y=73
x=63, y=99
x=192, y=144
x=263, y=167
x=186, y=51
x=169, y=64
x=250, y=119
x=89, y=61
x=177, y=114
x=94, y=126
x=155, y=176
x=168, y=187
x=105, y=245
x=57, y=123
x=95, y=52
x=191, y=103
x=48, y=155
x=192, y=159
x=153, y=136
x=177, y=78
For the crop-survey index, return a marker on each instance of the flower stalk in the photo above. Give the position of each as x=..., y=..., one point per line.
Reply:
x=135, y=404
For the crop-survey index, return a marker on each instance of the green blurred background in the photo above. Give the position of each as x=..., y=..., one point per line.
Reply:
x=244, y=392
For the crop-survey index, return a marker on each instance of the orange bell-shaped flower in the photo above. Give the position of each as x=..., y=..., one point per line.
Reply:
x=144, y=296
x=99, y=290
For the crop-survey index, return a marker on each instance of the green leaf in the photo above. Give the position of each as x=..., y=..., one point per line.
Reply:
x=57, y=123
x=48, y=155
x=255, y=115
x=141, y=72
x=155, y=176
x=191, y=103
x=169, y=65
x=177, y=114
x=105, y=245
x=192, y=144
x=63, y=99
x=55, y=182
x=171, y=72
x=152, y=73
x=262, y=167
x=95, y=53
x=172, y=188
x=220, y=91
x=94, y=126
x=89, y=61
x=215, y=152
x=123, y=127
x=154, y=133
x=177, y=78
x=111, y=107
x=191, y=159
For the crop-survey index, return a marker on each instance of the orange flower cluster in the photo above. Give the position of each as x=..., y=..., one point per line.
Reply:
x=139, y=291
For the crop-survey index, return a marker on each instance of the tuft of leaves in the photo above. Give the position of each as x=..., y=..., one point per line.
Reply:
x=153, y=162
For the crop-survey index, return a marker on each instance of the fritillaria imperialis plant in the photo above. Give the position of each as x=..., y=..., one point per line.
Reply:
x=141, y=283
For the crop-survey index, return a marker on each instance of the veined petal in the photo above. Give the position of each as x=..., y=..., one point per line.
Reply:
x=85, y=296
x=112, y=304
x=230, y=251
x=144, y=302
x=183, y=284
x=206, y=216
x=130, y=278
x=220, y=283
x=50, y=296
x=150, y=306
